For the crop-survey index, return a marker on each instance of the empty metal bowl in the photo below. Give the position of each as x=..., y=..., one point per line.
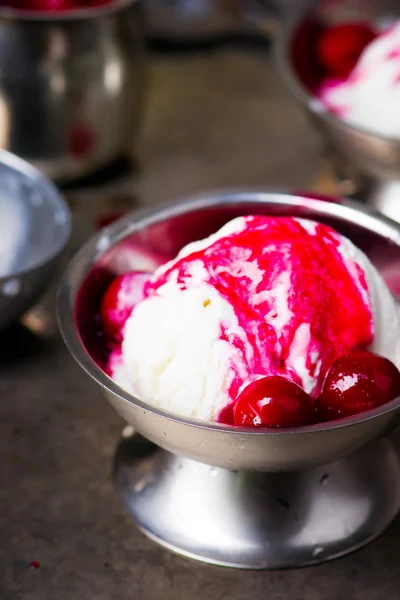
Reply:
x=71, y=86
x=161, y=234
x=34, y=229
x=376, y=157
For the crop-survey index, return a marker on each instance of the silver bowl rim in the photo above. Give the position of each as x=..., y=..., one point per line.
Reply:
x=75, y=14
x=33, y=174
x=300, y=92
x=137, y=221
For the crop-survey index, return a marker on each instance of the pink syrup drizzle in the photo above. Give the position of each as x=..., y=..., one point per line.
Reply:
x=274, y=259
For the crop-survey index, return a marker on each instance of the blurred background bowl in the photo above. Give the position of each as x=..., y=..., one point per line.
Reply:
x=374, y=157
x=71, y=86
x=33, y=210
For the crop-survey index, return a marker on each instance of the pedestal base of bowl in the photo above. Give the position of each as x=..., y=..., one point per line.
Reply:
x=258, y=520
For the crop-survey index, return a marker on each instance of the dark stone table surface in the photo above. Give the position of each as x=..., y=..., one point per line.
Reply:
x=219, y=119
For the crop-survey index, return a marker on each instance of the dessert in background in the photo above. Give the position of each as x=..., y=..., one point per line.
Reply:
x=271, y=321
x=361, y=84
x=53, y=6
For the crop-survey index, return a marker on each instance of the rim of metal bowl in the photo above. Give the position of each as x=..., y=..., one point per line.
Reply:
x=89, y=254
x=20, y=165
x=300, y=92
x=73, y=14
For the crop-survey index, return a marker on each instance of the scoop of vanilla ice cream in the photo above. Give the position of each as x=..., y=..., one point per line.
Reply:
x=174, y=356
x=370, y=97
x=385, y=312
x=180, y=363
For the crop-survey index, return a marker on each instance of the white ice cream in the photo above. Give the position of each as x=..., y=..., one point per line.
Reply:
x=173, y=355
x=370, y=97
x=172, y=349
x=385, y=311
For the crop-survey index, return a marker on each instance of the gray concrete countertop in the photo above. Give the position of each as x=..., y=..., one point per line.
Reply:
x=218, y=119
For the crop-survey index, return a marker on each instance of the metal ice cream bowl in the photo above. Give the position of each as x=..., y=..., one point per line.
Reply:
x=367, y=156
x=71, y=86
x=35, y=225
x=229, y=495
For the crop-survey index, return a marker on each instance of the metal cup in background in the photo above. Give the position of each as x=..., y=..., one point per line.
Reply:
x=71, y=86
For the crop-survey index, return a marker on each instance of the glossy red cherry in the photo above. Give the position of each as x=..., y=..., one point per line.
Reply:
x=274, y=402
x=340, y=47
x=120, y=298
x=226, y=417
x=357, y=382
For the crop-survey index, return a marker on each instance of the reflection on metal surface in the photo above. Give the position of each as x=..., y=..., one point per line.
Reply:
x=128, y=431
x=58, y=83
x=11, y=288
x=85, y=73
x=5, y=118
x=384, y=196
x=46, y=232
x=41, y=322
x=259, y=521
x=113, y=76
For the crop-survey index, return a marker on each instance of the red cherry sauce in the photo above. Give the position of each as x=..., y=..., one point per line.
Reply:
x=294, y=296
x=124, y=293
x=87, y=314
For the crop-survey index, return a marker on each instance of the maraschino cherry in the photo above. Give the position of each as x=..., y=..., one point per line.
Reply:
x=123, y=294
x=357, y=382
x=340, y=47
x=274, y=402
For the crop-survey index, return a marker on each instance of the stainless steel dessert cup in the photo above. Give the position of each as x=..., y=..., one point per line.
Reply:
x=46, y=224
x=235, y=496
x=72, y=86
x=373, y=161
